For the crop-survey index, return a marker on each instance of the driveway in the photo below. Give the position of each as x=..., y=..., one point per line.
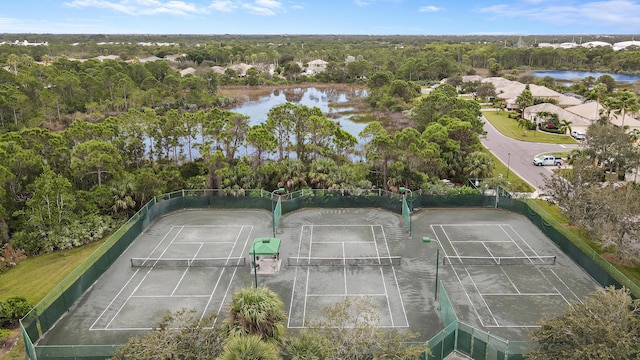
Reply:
x=522, y=153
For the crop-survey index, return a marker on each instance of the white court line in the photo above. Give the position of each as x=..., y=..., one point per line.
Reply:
x=508, y=278
x=489, y=251
x=216, y=226
x=114, y=299
x=235, y=271
x=395, y=277
x=473, y=225
x=565, y=285
x=384, y=283
x=537, y=268
x=232, y=275
x=340, y=242
x=343, y=295
x=386, y=295
x=202, y=242
x=141, y=281
x=481, y=241
x=169, y=296
x=306, y=287
x=344, y=269
x=482, y=297
x=373, y=234
x=521, y=238
x=128, y=281
x=186, y=270
x=455, y=272
x=521, y=294
x=295, y=277
x=337, y=225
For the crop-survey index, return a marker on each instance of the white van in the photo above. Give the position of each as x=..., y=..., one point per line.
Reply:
x=577, y=134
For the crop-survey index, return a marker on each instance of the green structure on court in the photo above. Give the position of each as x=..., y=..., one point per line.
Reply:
x=265, y=246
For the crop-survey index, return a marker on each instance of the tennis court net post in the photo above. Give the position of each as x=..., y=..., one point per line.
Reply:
x=352, y=261
x=188, y=262
x=499, y=260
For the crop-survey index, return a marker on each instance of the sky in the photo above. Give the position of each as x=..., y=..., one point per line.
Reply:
x=357, y=17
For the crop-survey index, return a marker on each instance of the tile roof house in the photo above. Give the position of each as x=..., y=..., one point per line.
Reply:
x=578, y=122
x=187, y=71
x=316, y=66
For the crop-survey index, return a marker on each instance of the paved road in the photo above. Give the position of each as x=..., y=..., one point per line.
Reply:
x=522, y=154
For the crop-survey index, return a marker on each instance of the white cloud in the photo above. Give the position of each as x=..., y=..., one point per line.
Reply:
x=140, y=7
x=430, y=8
x=369, y=2
x=223, y=5
x=621, y=13
x=258, y=10
x=271, y=4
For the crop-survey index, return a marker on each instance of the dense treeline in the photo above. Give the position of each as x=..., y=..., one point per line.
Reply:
x=42, y=86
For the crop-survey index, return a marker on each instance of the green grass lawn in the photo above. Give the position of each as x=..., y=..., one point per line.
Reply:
x=516, y=184
x=509, y=127
x=37, y=276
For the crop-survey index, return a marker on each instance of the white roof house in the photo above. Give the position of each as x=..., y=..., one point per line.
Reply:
x=218, y=69
x=593, y=44
x=625, y=44
x=577, y=122
x=316, y=66
x=241, y=69
x=187, y=71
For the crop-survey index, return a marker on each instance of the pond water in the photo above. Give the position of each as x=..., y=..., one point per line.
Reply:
x=329, y=100
x=333, y=102
x=572, y=75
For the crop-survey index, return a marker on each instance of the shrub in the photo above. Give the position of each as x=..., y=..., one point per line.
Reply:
x=9, y=257
x=4, y=335
x=13, y=310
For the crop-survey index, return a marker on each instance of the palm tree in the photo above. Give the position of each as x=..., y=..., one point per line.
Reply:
x=249, y=347
x=565, y=125
x=258, y=312
x=627, y=102
x=524, y=125
x=478, y=164
x=309, y=345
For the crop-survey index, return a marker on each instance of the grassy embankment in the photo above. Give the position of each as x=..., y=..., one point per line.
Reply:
x=509, y=127
x=37, y=276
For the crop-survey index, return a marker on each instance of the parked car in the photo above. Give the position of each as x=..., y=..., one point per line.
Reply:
x=578, y=135
x=547, y=160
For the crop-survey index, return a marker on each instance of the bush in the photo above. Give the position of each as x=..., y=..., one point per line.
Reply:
x=13, y=310
x=4, y=335
x=9, y=257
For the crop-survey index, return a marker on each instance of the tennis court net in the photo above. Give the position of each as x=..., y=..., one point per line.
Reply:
x=188, y=262
x=498, y=260
x=353, y=261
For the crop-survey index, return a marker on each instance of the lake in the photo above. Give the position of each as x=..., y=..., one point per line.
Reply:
x=572, y=75
x=331, y=101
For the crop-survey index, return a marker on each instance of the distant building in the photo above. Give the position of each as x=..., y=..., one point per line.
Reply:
x=316, y=66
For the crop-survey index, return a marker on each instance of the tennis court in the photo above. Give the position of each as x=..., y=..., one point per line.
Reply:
x=198, y=258
x=507, y=276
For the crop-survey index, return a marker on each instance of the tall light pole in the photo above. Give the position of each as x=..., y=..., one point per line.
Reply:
x=508, y=164
x=255, y=264
x=258, y=241
x=273, y=215
x=404, y=190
